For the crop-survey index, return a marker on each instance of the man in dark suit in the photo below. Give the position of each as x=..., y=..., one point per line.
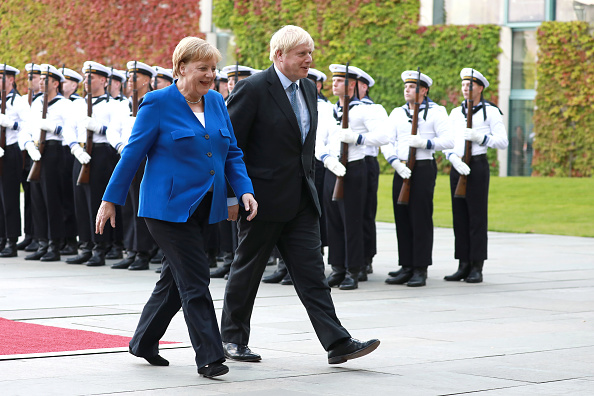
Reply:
x=274, y=116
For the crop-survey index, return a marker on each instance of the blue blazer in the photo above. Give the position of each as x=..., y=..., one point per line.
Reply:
x=184, y=159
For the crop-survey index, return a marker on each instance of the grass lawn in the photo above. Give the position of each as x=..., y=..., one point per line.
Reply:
x=559, y=206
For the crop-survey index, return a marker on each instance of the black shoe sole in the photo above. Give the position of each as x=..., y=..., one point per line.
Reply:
x=206, y=373
x=362, y=352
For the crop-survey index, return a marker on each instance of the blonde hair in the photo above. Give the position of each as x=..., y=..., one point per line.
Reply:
x=192, y=49
x=287, y=38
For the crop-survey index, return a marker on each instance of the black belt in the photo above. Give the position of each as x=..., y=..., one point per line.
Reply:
x=357, y=162
x=426, y=162
x=479, y=157
x=49, y=143
x=101, y=144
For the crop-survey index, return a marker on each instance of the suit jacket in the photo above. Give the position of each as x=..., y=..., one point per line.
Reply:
x=267, y=132
x=184, y=159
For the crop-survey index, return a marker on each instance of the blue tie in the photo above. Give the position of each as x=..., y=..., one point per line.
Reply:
x=295, y=106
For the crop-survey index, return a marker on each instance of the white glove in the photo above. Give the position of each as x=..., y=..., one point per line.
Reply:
x=417, y=141
x=402, y=169
x=5, y=121
x=348, y=136
x=474, y=136
x=121, y=148
x=32, y=150
x=80, y=154
x=334, y=166
x=1, y=152
x=48, y=125
x=459, y=165
x=93, y=125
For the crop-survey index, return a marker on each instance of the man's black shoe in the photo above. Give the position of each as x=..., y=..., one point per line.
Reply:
x=400, y=277
x=351, y=349
x=276, y=277
x=39, y=253
x=419, y=278
x=51, y=255
x=287, y=280
x=157, y=257
x=240, y=353
x=220, y=272
x=33, y=246
x=349, y=283
x=362, y=277
x=24, y=243
x=156, y=360
x=158, y=270
x=115, y=253
x=81, y=258
x=213, y=370
x=476, y=272
x=96, y=260
x=140, y=264
x=461, y=273
x=10, y=250
x=335, y=278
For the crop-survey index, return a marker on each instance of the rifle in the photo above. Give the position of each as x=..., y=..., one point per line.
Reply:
x=35, y=173
x=109, y=85
x=3, y=111
x=85, y=170
x=338, y=193
x=31, y=84
x=460, y=191
x=157, y=80
x=404, y=195
x=134, y=92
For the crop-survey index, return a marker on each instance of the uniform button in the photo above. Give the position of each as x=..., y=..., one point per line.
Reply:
x=209, y=154
x=207, y=136
x=212, y=172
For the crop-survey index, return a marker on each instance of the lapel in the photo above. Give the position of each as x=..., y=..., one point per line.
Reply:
x=280, y=97
x=180, y=102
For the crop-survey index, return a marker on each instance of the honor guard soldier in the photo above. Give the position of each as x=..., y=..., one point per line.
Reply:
x=34, y=73
x=118, y=78
x=221, y=84
x=70, y=84
x=137, y=240
x=470, y=212
x=345, y=217
x=414, y=221
x=12, y=120
x=236, y=73
x=164, y=77
x=46, y=194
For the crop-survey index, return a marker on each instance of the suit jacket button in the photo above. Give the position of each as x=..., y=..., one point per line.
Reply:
x=212, y=172
x=209, y=154
x=207, y=136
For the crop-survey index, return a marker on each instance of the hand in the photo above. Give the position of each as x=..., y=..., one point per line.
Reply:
x=81, y=155
x=93, y=125
x=334, y=166
x=5, y=121
x=348, y=136
x=1, y=152
x=417, y=141
x=459, y=165
x=48, y=125
x=233, y=211
x=250, y=205
x=121, y=148
x=32, y=150
x=401, y=169
x=474, y=136
x=106, y=212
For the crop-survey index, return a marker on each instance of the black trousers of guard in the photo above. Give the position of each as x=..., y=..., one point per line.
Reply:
x=414, y=222
x=319, y=183
x=298, y=241
x=46, y=195
x=68, y=205
x=27, y=193
x=344, y=218
x=183, y=284
x=11, y=190
x=470, y=213
x=137, y=237
x=370, y=208
x=228, y=235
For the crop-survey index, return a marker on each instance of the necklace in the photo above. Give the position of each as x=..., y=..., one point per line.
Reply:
x=196, y=102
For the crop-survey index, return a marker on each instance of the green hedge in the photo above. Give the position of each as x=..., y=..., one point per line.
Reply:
x=564, y=119
x=383, y=38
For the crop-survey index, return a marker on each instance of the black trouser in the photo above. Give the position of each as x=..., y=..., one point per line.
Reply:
x=11, y=190
x=344, y=219
x=414, y=222
x=46, y=195
x=298, y=241
x=319, y=182
x=68, y=205
x=470, y=213
x=27, y=193
x=183, y=283
x=228, y=235
x=370, y=208
x=137, y=237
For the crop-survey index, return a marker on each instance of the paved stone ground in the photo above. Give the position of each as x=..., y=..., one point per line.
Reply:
x=528, y=329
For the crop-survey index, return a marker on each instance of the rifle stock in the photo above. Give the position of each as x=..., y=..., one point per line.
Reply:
x=3, y=111
x=338, y=192
x=35, y=172
x=460, y=191
x=85, y=170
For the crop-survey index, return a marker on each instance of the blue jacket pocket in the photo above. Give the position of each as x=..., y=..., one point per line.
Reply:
x=182, y=133
x=225, y=132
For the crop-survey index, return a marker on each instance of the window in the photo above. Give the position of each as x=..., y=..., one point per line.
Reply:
x=526, y=11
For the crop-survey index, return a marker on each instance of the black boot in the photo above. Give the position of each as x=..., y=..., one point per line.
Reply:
x=24, y=243
x=10, y=250
x=157, y=257
x=141, y=262
x=350, y=281
x=2, y=243
x=53, y=252
x=276, y=276
x=70, y=248
x=400, y=277
x=419, y=277
x=336, y=277
x=85, y=254
x=98, y=257
x=41, y=250
x=287, y=280
x=369, y=265
x=125, y=263
x=221, y=271
x=33, y=246
x=115, y=253
x=462, y=273
x=476, y=272
x=362, y=277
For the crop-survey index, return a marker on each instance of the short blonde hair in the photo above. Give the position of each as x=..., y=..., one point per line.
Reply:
x=287, y=38
x=192, y=49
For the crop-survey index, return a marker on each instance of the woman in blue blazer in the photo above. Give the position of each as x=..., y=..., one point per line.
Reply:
x=185, y=133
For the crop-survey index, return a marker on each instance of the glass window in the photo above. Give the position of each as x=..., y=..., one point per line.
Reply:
x=521, y=136
x=526, y=10
x=524, y=49
x=467, y=12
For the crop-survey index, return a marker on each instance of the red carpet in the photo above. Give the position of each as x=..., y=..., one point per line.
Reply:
x=18, y=338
